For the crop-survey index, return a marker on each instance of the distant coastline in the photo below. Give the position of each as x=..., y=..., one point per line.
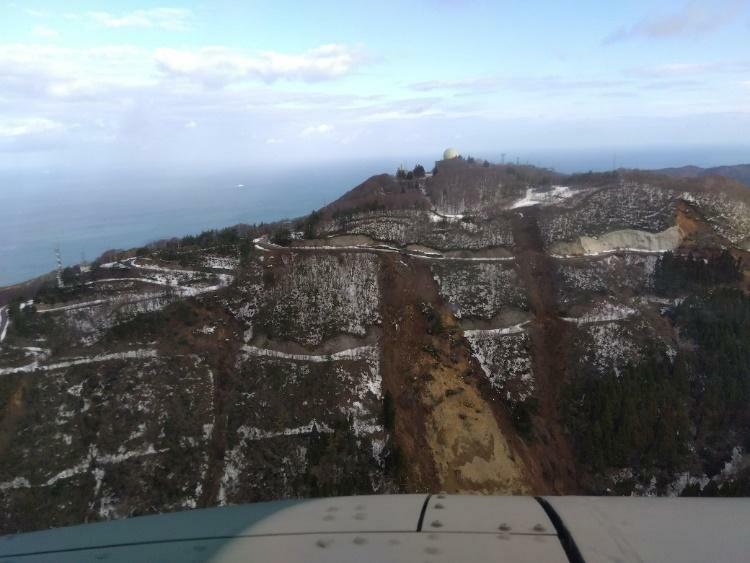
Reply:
x=73, y=210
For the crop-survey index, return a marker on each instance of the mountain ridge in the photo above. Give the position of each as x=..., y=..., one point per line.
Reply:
x=738, y=172
x=484, y=328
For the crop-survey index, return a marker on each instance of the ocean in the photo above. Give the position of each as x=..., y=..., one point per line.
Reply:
x=86, y=213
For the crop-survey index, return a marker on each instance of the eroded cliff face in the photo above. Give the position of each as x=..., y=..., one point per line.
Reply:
x=435, y=335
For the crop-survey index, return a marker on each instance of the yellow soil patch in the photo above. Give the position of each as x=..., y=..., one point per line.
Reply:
x=12, y=413
x=469, y=449
x=470, y=452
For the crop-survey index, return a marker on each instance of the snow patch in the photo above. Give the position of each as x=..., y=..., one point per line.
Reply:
x=505, y=360
x=515, y=329
x=35, y=366
x=605, y=312
x=536, y=196
x=252, y=434
x=220, y=262
x=359, y=353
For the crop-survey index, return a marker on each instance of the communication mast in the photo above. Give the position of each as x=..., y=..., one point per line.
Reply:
x=59, y=267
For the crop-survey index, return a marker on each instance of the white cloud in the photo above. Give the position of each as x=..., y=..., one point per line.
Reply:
x=28, y=126
x=321, y=129
x=44, y=32
x=273, y=141
x=168, y=19
x=218, y=66
x=692, y=20
x=43, y=70
x=191, y=124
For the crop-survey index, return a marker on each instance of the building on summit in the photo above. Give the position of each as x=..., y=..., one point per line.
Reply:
x=450, y=153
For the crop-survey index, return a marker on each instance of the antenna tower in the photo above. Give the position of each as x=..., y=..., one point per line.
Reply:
x=59, y=266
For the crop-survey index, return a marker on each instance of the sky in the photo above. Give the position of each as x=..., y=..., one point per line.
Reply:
x=138, y=83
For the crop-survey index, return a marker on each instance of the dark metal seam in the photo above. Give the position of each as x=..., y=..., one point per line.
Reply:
x=421, y=514
x=566, y=539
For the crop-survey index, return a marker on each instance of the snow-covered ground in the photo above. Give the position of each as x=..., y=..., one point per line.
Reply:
x=515, y=329
x=36, y=366
x=634, y=271
x=93, y=457
x=320, y=295
x=478, y=289
x=738, y=461
x=609, y=253
x=436, y=217
x=604, y=312
x=355, y=397
x=251, y=433
x=543, y=197
x=608, y=347
x=385, y=248
x=359, y=353
x=220, y=262
x=81, y=305
x=504, y=357
x=463, y=258
x=370, y=248
x=174, y=279
x=177, y=277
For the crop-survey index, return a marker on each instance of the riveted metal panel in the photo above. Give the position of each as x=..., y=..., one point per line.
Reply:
x=476, y=513
x=338, y=514
x=386, y=547
x=376, y=513
x=334, y=548
x=684, y=530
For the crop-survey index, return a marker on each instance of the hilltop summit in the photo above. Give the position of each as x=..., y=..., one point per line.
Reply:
x=481, y=328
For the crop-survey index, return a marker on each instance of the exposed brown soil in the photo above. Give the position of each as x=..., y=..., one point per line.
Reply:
x=697, y=232
x=700, y=237
x=11, y=414
x=451, y=434
x=404, y=330
x=551, y=340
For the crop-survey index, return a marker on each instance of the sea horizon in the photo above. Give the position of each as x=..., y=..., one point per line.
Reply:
x=86, y=213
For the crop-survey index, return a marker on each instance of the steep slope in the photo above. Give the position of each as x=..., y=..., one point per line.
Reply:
x=483, y=329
